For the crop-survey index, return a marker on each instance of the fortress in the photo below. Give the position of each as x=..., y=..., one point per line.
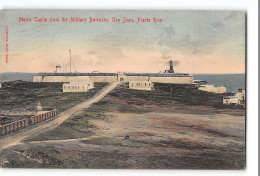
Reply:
x=167, y=77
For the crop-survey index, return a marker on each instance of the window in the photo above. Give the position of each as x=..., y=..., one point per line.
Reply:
x=145, y=84
x=64, y=87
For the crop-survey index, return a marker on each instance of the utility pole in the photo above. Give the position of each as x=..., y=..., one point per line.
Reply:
x=70, y=60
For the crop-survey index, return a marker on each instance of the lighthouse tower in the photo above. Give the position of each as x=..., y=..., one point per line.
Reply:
x=171, y=68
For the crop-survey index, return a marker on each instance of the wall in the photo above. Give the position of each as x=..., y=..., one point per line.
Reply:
x=170, y=80
x=211, y=88
x=65, y=79
x=74, y=78
x=26, y=122
x=173, y=80
x=228, y=101
x=103, y=78
x=136, y=78
x=17, y=112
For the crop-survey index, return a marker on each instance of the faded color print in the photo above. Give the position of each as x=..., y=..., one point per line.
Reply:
x=122, y=89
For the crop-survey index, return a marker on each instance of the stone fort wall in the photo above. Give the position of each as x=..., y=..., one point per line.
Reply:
x=124, y=78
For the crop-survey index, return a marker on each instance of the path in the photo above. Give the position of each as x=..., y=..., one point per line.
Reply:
x=62, y=140
x=62, y=117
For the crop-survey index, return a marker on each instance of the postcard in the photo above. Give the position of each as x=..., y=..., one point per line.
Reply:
x=123, y=89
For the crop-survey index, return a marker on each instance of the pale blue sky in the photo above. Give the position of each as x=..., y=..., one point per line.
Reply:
x=196, y=38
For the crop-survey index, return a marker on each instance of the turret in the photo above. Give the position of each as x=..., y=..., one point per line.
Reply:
x=58, y=69
x=171, y=68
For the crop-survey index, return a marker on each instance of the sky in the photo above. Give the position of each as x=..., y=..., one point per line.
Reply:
x=199, y=42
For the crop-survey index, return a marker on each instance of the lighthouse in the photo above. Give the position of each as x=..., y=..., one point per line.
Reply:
x=171, y=68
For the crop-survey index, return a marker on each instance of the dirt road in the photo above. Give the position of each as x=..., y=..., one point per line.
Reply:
x=156, y=141
x=62, y=117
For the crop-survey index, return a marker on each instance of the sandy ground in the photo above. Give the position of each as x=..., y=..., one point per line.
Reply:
x=212, y=129
x=156, y=141
x=161, y=134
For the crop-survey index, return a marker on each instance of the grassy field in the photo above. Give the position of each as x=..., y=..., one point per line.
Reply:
x=126, y=101
x=183, y=129
x=182, y=98
x=19, y=95
x=79, y=126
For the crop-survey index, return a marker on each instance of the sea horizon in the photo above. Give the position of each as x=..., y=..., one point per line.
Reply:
x=232, y=82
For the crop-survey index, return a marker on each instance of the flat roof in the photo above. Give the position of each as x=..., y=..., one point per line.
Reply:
x=75, y=74
x=115, y=74
x=77, y=83
x=159, y=74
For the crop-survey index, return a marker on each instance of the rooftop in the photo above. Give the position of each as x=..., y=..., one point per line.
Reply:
x=76, y=74
x=115, y=74
x=159, y=74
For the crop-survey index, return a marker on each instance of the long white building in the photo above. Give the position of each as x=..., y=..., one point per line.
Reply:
x=212, y=88
x=141, y=85
x=171, y=78
x=77, y=86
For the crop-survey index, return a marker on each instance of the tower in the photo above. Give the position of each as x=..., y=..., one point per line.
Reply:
x=58, y=69
x=171, y=68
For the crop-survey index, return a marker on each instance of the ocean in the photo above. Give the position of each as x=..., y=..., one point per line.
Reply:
x=232, y=82
x=13, y=76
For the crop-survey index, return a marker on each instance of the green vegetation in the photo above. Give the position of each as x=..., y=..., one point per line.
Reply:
x=66, y=157
x=77, y=127
x=148, y=150
x=129, y=109
x=20, y=94
x=93, y=115
x=63, y=99
x=169, y=95
x=108, y=105
x=99, y=141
